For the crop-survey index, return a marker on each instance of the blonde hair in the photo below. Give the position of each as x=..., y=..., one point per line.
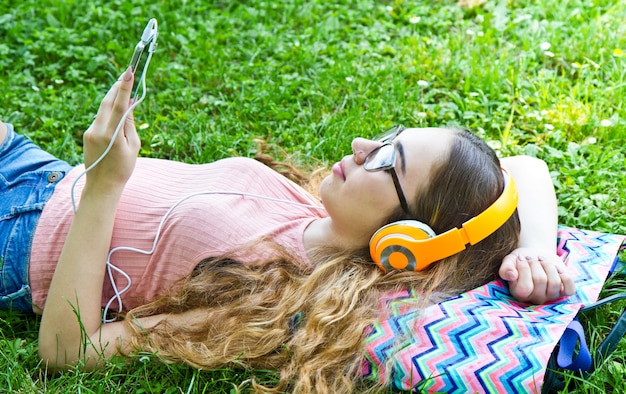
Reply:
x=310, y=326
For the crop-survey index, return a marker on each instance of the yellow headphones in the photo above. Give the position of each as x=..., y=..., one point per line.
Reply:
x=413, y=246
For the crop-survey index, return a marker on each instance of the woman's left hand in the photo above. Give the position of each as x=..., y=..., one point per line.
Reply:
x=535, y=276
x=114, y=170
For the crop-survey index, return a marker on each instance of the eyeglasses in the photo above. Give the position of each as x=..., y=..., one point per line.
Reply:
x=383, y=158
x=390, y=134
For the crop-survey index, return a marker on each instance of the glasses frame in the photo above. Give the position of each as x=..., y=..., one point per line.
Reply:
x=387, y=137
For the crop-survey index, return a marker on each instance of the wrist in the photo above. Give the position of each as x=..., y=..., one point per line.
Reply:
x=100, y=197
x=546, y=245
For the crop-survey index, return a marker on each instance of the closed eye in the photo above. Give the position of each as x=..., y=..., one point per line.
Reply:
x=400, y=148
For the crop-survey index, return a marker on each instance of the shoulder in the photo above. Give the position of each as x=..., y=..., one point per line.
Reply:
x=243, y=162
x=247, y=167
x=233, y=163
x=523, y=162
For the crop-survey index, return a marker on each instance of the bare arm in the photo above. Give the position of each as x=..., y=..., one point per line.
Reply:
x=537, y=206
x=72, y=311
x=534, y=272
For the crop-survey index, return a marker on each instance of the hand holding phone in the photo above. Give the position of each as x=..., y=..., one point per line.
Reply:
x=142, y=54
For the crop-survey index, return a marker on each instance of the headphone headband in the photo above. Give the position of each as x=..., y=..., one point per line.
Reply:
x=412, y=245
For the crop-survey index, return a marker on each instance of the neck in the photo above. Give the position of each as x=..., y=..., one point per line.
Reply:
x=322, y=233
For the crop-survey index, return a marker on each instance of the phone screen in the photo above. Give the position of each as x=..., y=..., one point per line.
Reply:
x=138, y=64
x=143, y=49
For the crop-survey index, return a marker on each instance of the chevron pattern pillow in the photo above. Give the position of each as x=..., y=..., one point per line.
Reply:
x=484, y=340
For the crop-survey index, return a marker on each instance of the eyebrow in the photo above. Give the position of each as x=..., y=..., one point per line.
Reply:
x=402, y=157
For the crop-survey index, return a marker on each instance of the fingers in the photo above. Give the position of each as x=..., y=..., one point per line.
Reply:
x=116, y=101
x=553, y=280
x=508, y=269
x=523, y=287
x=130, y=131
x=568, y=286
x=106, y=104
x=113, y=129
x=122, y=99
x=539, y=278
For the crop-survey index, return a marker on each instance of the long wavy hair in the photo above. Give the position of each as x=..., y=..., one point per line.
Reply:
x=309, y=326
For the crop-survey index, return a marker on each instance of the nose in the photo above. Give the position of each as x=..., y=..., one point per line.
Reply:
x=361, y=147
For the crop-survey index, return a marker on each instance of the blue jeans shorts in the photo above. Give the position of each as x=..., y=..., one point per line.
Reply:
x=28, y=176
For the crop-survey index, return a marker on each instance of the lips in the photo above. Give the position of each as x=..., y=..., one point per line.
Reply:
x=338, y=170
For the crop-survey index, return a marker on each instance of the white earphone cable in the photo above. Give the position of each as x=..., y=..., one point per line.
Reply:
x=111, y=268
x=117, y=130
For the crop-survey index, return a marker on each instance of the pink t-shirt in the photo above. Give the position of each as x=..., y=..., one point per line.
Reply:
x=201, y=224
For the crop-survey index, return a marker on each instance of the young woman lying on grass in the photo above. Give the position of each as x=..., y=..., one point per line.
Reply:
x=248, y=268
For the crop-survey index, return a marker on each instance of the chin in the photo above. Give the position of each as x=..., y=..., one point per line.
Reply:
x=326, y=192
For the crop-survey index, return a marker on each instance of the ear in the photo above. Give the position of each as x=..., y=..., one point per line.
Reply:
x=390, y=246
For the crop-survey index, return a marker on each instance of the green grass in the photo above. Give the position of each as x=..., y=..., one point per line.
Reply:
x=310, y=75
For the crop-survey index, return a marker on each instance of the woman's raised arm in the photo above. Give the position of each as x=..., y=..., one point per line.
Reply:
x=534, y=272
x=72, y=311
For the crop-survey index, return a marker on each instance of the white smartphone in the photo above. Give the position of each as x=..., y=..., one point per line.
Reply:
x=143, y=51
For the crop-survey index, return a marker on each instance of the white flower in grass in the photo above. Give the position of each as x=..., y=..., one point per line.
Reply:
x=470, y=32
x=548, y=126
x=545, y=46
x=35, y=88
x=349, y=79
x=549, y=54
x=594, y=64
x=474, y=94
x=415, y=19
x=422, y=83
x=606, y=123
x=389, y=8
x=421, y=114
x=591, y=140
x=143, y=126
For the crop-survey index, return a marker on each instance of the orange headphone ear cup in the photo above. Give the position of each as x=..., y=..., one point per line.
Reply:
x=390, y=246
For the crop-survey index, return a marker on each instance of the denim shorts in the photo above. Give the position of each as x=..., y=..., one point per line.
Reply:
x=28, y=176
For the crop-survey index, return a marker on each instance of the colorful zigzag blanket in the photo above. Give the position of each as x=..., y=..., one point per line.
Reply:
x=483, y=340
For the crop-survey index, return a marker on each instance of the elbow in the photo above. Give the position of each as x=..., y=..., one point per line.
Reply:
x=53, y=362
x=50, y=360
x=524, y=163
x=85, y=354
x=54, y=357
x=523, y=159
x=535, y=162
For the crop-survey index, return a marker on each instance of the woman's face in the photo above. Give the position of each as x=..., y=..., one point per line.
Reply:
x=359, y=201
